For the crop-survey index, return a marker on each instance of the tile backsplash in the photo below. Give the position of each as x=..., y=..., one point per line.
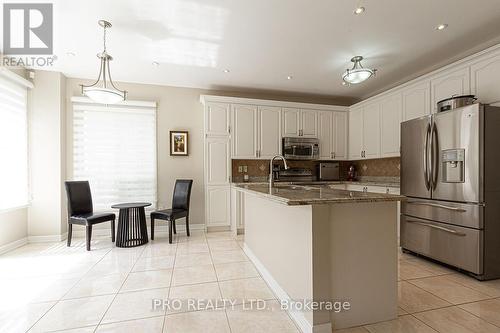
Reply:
x=258, y=170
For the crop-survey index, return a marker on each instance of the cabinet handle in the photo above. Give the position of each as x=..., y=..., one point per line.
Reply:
x=333, y=154
x=256, y=153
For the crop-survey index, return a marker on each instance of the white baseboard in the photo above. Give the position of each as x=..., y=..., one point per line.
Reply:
x=297, y=316
x=47, y=238
x=159, y=229
x=13, y=245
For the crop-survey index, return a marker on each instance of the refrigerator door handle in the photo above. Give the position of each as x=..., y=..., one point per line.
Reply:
x=426, y=157
x=451, y=231
x=434, y=156
x=455, y=209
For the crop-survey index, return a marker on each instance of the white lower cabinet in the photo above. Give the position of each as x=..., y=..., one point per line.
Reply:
x=237, y=211
x=218, y=206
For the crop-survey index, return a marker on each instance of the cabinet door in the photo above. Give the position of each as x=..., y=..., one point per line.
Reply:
x=485, y=80
x=244, y=138
x=218, y=203
x=269, y=129
x=325, y=134
x=416, y=101
x=390, y=125
x=355, y=133
x=237, y=213
x=217, y=119
x=371, y=130
x=291, y=122
x=309, y=123
x=218, y=159
x=447, y=85
x=340, y=135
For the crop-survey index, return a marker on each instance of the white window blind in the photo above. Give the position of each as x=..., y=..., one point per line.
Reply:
x=13, y=144
x=114, y=148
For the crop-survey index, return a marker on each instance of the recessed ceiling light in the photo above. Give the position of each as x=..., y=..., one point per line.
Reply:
x=359, y=10
x=289, y=77
x=70, y=54
x=155, y=63
x=442, y=26
x=344, y=83
x=226, y=71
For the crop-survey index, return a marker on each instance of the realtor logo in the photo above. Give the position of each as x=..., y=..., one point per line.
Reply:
x=27, y=28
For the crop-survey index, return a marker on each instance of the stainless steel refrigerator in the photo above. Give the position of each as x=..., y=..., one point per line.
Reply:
x=450, y=172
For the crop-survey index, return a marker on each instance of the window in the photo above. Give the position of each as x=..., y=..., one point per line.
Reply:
x=13, y=141
x=114, y=148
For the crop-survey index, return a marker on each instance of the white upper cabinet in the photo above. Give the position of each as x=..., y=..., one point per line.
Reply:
x=298, y=122
x=269, y=131
x=371, y=130
x=485, y=79
x=244, y=139
x=217, y=161
x=391, y=114
x=356, y=133
x=416, y=101
x=217, y=117
x=325, y=134
x=446, y=85
x=309, y=123
x=291, y=122
x=339, y=135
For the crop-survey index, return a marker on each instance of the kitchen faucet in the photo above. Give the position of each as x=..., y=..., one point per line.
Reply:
x=271, y=178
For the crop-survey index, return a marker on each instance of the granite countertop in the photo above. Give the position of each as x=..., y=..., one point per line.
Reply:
x=294, y=195
x=347, y=182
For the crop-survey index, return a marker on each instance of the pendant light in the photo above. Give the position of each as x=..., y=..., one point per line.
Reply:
x=357, y=73
x=104, y=90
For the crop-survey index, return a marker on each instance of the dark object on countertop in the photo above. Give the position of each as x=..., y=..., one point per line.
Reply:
x=180, y=208
x=351, y=173
x=81, y=210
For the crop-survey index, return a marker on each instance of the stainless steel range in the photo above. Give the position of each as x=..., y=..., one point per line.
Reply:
x=450, y=165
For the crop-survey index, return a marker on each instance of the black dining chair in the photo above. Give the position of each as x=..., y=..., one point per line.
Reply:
x=81, y=210
x=180, y=208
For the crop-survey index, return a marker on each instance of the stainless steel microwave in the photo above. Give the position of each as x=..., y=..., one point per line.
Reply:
x=300, y=148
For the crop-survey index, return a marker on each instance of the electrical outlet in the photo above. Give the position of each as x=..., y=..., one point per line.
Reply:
x=245, y=178
x=240, y=169
x=245, y=168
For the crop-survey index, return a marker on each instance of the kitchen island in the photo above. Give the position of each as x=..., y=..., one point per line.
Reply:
x=315, y=244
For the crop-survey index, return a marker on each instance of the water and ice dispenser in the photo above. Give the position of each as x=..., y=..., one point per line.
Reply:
x=453, y=164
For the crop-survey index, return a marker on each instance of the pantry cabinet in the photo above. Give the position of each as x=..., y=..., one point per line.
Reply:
x=217, y=116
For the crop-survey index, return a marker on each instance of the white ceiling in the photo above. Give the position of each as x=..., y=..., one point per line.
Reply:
x=261, y=42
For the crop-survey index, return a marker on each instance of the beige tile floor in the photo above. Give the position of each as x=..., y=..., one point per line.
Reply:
x=50, y=287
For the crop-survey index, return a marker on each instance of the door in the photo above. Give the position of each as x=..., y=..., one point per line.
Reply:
x=371, y=130
x=390, y=125
x=291, y=122
x=415, y=144
x=325, y=135
x=244, y=139
x=355, y=133
x=416, y=101
x=218, y=159
x=456, y=154
x=339, y=135
x=485, y=80
x=217, y=119
x=269, y=129
x=218, y=201
x=309, y=123
x=445, y=86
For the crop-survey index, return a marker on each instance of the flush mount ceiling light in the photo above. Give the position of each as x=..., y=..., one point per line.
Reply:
x=155, y=63
x=442, y=26
x=357, y=73
x=104, y=90
x=359, y=10
x=226, y=71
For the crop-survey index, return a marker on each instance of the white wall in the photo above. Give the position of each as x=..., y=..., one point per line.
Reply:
x=47, y=152
x=13, y=226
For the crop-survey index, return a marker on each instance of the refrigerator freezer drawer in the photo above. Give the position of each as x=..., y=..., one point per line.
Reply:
x=456, y=246
x=465, y=215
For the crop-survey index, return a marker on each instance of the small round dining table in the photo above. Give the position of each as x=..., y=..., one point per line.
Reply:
x=132, y=230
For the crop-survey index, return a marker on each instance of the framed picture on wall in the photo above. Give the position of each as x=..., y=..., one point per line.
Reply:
x=178, y=143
